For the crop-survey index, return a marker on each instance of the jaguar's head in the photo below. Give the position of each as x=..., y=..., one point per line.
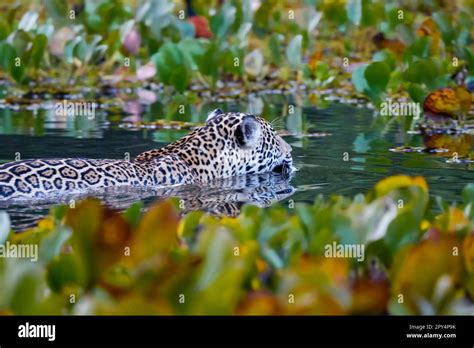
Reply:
x=231, y=144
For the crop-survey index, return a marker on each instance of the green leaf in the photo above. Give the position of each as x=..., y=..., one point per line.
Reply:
x=417, y=93
x=469, y=57
x=420, y=48
x=28, y=21
x=392, y=18
x=372, y=12
x=22, y=286
x=57, y=10
x=69, y=49
x=4, y=30
x=274, y=48
x=228, y=60
x=190, y=224
x=426, y=72
x=336, y=13
x=52, y=244
x=179, y=78
x=387, y=57
x=80, y=50
x=133, y=213
x=444, y=24
x=7, y=56
x=354, y=11
x=186, y=29
x=162, y=70
x=221, y=22
x=4, y=226
x=94, y=22
x=377, y=75
x=359, y=80
x=62, y=272
x=254, y=63
x=113, y=42
x=293, y=52
x=209, y=62
x=21, y=41
x=403, y=230
x=170, y=65
x=372, y=79
x=191, y=49
x=172, y=53
x=468, y=194
x=85, y=221
x=37, y=50
x=406, y=33
x=18, y=72
x=273, y=258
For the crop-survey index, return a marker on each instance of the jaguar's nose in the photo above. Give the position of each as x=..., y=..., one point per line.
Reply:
x=284, y=144
x=285, y=169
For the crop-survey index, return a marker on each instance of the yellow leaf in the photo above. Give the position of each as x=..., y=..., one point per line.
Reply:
x=448, y=101
x=417, y=271
x=47, y=223
x=370, y=296
x=451, y=221
x=100, y=236
x=399, y=181
x=258, y=303
x=157, y=231
x=317, y=286
x=468, y=252
x=425, y=224
x=314, y=59
x=429, y=28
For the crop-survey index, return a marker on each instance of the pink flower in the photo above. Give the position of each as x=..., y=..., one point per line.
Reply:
x=132, y=41
x=146, y=71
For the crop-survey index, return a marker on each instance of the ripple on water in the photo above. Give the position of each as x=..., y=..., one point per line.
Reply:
x=341, y=149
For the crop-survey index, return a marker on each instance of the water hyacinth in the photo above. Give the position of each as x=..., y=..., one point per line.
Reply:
x=131, y=255
x=373, y=97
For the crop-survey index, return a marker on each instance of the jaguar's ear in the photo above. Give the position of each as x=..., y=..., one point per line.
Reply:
x=213, y=114
x=248, y=132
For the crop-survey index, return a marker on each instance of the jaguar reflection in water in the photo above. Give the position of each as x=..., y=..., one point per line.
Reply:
x=222, y=197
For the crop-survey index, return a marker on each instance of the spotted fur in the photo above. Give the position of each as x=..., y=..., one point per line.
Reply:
x=227, y=145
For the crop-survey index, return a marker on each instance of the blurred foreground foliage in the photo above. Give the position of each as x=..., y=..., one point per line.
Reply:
x=419, y=258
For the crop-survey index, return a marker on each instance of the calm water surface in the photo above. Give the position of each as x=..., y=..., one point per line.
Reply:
x=347, y=150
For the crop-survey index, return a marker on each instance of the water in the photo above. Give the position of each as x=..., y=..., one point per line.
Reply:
x=338, y=149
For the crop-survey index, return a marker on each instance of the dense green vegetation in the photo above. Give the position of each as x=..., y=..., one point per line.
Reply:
x=265, y=261
x=314, y=43
x=419, y=249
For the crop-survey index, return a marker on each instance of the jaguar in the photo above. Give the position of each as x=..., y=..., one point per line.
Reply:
x=227, y=145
